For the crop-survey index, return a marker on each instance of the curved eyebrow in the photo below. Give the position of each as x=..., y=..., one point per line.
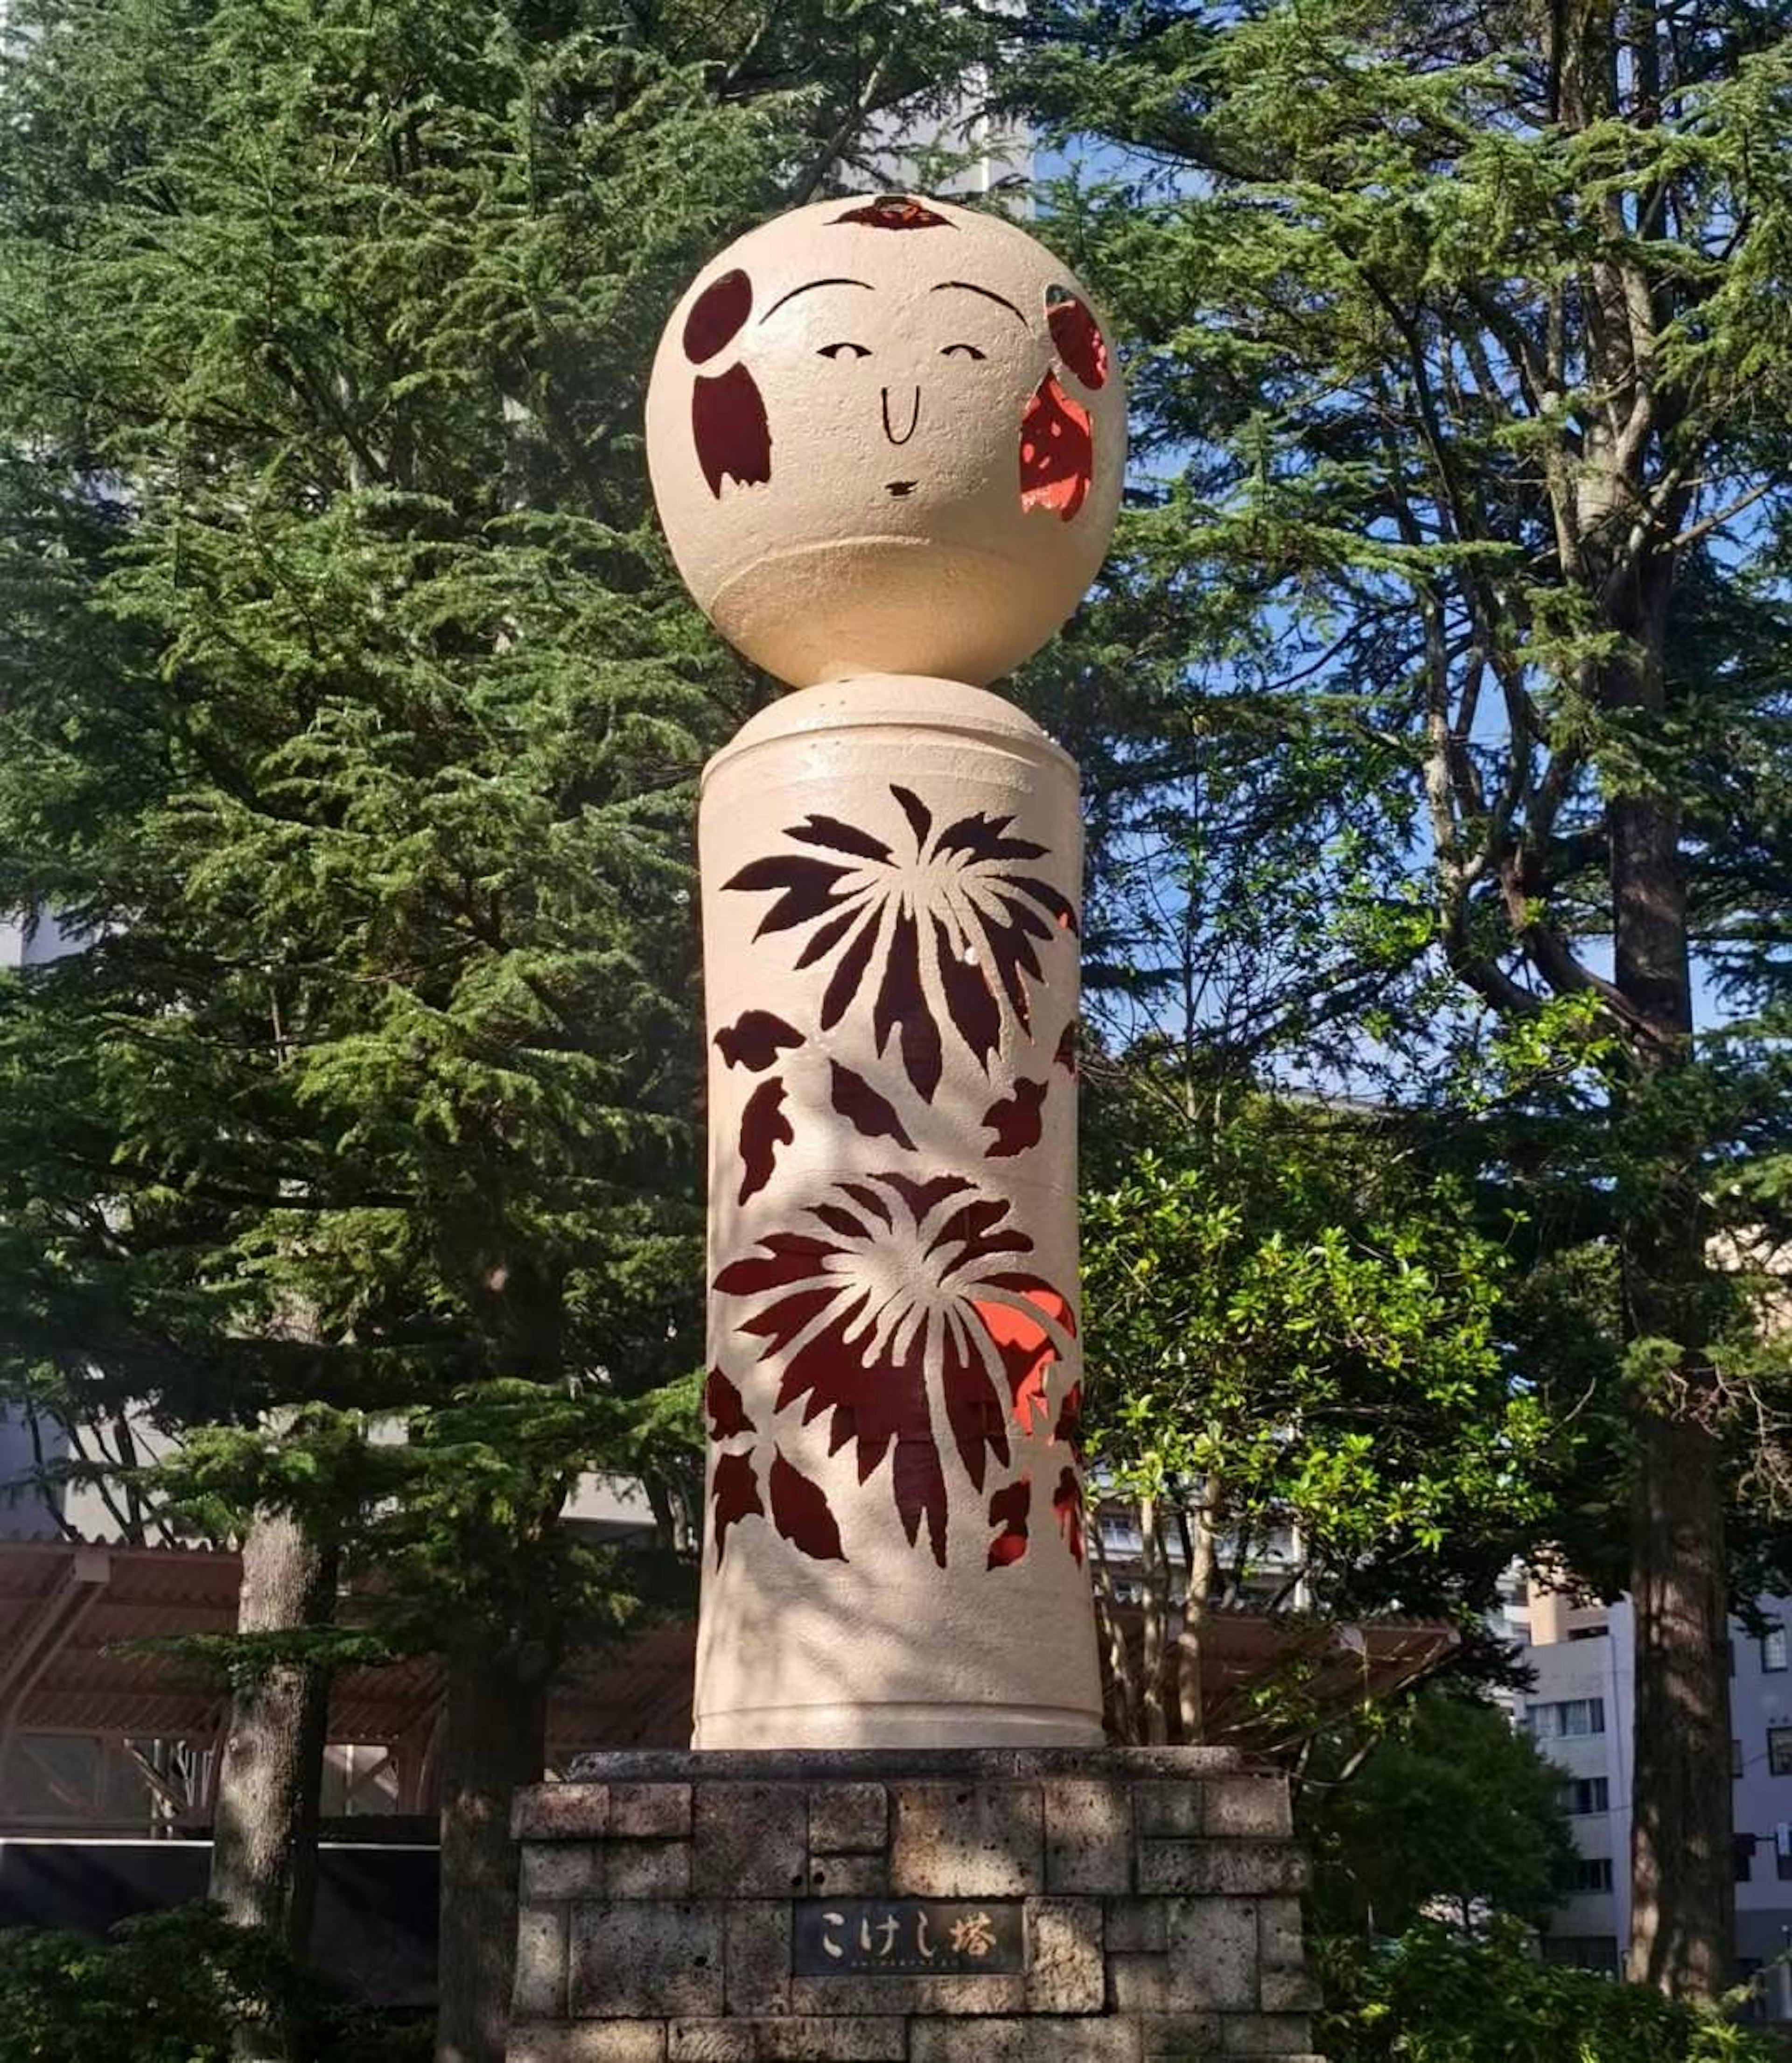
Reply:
x=807, y=287
x=989, y=294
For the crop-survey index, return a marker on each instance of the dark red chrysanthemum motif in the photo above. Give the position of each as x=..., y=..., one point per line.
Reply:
x=906, y=1309
x=961, y=904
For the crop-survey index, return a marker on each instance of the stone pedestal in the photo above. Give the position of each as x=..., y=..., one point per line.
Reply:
x=1010, y=1905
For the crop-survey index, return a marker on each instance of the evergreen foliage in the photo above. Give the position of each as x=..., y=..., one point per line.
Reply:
x=1453, y=1816
x=349, y=712
x=1442, y=744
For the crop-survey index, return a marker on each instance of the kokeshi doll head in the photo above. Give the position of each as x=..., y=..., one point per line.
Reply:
x=886, y=436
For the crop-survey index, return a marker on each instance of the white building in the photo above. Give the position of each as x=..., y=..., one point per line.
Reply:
x=1581, y=1715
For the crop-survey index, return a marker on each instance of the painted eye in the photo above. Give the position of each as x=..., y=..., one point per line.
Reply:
x=843, y=351
x=968, y=350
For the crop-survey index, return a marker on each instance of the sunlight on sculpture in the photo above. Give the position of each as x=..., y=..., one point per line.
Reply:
x=886, y=438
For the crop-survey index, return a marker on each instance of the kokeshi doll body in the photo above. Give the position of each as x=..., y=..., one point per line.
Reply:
x=887, y=443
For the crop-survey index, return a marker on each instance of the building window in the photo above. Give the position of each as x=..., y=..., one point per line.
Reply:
x=1772, y=1649
x=1569, y=1720
x=1743, y=1845
x=1591, y=1873
x=1581, y=1951
x=1779, y=1750
x=1587, y=1794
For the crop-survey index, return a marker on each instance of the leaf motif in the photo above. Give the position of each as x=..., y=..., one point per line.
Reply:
x=764, y=1128
x=801, y=1513
x=1009, y=1508
x=1018, y=1120
x=754, y=1040
x=735, y=1495
x=1066, y=1054
x=1067, y=1504
x=871, y=1115
x=725, y=1407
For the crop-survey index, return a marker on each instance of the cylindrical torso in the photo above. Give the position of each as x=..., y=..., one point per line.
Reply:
x=890, y=869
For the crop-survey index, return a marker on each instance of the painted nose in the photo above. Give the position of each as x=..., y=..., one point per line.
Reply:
x=915, y=417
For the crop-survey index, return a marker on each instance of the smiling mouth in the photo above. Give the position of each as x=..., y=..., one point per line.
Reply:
x=899, y=488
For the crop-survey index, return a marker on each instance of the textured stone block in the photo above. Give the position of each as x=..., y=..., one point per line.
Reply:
x=832, y=2039
x=1276, y=2034
x=1179, y=2037
x=597, y=2041
x=630, y=1961
x=1141, y=1983
x=954, y=1840
x=1170, y=1811
x=540, y=1991
x=648, y=1869
x=1247, y=1808
x=559, y=1812
x=848, y=1818
x=1137, y=1925
x=750, y=1840
x=1221, y=1869
x=1088, y=1836
x=757, y=1957
x=1037, y=2040
x=1278, y=1934
x=1213, y=1953
x=567, y=1870
x=710, y=2041
x=849, y=1876
x=1289, y=1991
x=1065, y=1972
x=650, y=1812
x=969, y=1997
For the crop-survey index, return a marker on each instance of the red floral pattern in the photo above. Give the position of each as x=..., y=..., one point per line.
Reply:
x=963, y=905
x=905, y=1312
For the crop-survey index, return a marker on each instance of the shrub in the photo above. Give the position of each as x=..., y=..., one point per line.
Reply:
x=1435, y=1996
x=170, y=1987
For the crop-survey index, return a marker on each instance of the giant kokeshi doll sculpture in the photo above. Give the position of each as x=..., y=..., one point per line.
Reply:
x=886, y=440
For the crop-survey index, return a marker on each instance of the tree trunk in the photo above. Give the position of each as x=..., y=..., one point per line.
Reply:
x=1201, y=1558
x=264, y=1828
x=1683, y=1895
x=495, y=1726
x=1154, y=1597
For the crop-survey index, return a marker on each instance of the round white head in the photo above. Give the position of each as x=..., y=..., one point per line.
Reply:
x=886, y=436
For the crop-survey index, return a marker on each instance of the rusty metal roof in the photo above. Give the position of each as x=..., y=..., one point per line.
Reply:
x=69, y=1610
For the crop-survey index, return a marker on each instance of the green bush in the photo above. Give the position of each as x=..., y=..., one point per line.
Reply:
x=1436, y=1997
x=168, y=1988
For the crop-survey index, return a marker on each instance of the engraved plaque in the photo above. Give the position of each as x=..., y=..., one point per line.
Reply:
x=907, y=1937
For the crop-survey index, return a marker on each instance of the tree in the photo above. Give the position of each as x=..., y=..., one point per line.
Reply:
x=348, y=709
x=1294, y=1330
x=1452, y=1813
x=1459, y=358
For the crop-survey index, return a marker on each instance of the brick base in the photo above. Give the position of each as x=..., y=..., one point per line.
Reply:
x=1157, y=1892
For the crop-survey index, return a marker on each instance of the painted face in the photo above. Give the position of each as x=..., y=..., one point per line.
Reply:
x=886, y=437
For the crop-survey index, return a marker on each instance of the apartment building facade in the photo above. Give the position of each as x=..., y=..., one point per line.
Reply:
x=1581, y=1714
